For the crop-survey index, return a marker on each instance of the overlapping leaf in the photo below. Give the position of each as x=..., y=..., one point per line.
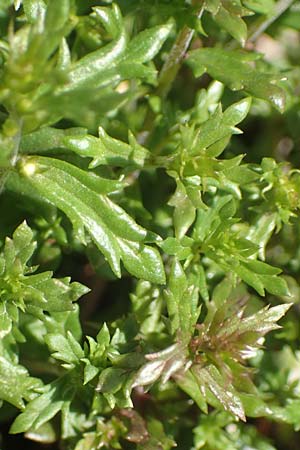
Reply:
x=21, y=290
x=226, y=338
x=233, y=252
x=55, y=86
x=53, y=398
x=67, y=60
x=196, y=168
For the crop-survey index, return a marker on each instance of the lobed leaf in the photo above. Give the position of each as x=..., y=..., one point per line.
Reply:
x=81, y=196
x=234, y=70
x=65, y=349
x=31, y=293
x=15, y=383
x=45, y=406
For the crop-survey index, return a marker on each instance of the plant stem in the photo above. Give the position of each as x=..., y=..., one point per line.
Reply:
x=170, y=69
x=260, y=27
x=172, y=65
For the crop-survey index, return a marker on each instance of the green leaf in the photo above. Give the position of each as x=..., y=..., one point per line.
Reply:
x=45, y=406
x=234, y=70
x=47, y=139
x=250, y=278
x=261, y=6
x=181, y=298
x=108, y=433
x=65, y=349
x=111, y=380
x=103, y=337
x=261, y=232
x=221, y=125
x=185, y=212
x=33, y=293
x=56, y=86
x=177, y=286
x=232, y=23
x=15, y=383
x=291, y=17
x=80, y=195
x=292, y=413
x=63, y=322
x=89, y=69
x=211, y=378
x=117, y=60
x=264, y=277
x=106, y=150
x=33, y=9
x=56, y=15
x=157, y=437
x=147, y=44
x=90, y=371
x=46, y=434
x=213, y=230
x=142, y=261
x=256, y=407
x=180, y=249
x=104, y=202
x=189, y=384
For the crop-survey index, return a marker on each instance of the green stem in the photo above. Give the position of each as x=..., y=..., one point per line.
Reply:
x=171, y=67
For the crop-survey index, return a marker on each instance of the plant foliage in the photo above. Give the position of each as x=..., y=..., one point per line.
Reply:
x=123, y=168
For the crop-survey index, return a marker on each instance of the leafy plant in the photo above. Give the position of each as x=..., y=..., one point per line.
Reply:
x=123, y=169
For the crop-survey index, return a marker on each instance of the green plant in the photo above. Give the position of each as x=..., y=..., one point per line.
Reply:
x=122, y=168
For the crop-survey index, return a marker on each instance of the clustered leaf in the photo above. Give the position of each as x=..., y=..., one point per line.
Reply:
x=68, y=84
x=26, y=292
x=224, y=340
